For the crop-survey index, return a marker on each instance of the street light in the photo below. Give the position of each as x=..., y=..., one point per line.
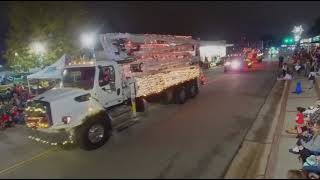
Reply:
x=88, y=40
x=39, y=49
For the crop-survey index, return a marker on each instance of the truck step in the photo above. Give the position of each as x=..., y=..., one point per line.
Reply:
x=121, y=118
x=119, y=111
x=125, y=125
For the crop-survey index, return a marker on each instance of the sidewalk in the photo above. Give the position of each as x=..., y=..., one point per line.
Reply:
x=284, y=160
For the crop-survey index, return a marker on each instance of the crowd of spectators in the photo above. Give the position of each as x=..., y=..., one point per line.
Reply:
x=12, y=104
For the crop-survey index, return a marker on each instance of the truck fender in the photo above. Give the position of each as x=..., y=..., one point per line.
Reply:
x=103, y=114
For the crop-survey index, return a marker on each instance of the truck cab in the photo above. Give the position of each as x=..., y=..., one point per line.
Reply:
x=87, y=90
x=101, y=78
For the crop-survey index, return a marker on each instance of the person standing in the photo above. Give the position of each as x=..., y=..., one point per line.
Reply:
x=284, y=69
x=281, y=59
x=307, y=63
x=312, y=78
x=317, y=59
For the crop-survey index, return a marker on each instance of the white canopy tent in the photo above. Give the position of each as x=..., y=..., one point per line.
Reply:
x=52, y=72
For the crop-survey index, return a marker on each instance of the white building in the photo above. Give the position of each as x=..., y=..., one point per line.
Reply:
x=213, y=50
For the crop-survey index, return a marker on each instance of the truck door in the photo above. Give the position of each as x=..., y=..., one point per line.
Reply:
x=107, y=92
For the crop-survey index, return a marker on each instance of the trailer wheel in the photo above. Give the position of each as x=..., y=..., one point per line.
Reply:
x=193, y=89
x=94, y=133
x=141, y=105
x=181, y=95
x=167, y=96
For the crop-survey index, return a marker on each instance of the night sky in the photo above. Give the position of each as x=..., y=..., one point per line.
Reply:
x=208, y=20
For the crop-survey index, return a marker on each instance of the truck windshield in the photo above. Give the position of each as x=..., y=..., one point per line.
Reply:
x=81, y=77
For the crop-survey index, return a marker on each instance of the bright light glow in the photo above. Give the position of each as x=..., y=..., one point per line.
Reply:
x=88, y=40
x=38, y=48
x=297, y=31
x=212, y=51
x=235, y=64
x=227, y=63
x=16, y=54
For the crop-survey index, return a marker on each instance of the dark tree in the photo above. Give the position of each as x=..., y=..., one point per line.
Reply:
x=55, y=24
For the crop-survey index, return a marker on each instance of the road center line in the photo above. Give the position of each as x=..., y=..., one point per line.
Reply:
x=17, y=165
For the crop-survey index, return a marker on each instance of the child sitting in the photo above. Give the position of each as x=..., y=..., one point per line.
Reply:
x=312, y=166
x=300, y=126
x=16, y=115
x=6, y=120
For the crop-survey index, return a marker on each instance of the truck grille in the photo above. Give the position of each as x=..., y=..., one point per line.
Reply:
x=38, y=114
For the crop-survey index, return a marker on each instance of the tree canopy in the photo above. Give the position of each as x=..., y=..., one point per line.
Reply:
x=54, y=25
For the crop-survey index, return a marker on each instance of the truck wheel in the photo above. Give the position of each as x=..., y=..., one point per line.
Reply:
x=193, y=89
x=93, y=134
x=141, y=105
x=181, y=95
x=167, y=96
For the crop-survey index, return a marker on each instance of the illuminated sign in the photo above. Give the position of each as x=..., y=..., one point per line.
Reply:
x=316, y=39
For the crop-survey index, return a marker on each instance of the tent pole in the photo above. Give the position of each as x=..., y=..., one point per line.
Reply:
x=29, y=86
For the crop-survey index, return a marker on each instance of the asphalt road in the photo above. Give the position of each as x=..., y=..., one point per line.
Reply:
x=194, y=140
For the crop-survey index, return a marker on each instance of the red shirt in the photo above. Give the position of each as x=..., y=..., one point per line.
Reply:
x=15, y=112
x=300, y=118
x=5, y=117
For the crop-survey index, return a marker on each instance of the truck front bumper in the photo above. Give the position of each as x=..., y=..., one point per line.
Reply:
x=62, y=137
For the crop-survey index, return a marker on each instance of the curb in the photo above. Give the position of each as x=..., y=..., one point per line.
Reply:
x=272, y=159
x=252, y=158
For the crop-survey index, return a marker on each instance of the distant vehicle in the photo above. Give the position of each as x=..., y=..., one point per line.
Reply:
x=260, y=56
x=237, y=63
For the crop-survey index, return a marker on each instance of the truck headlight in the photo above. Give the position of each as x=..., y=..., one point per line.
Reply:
x=83, y=98
x=66, y=119
x=235, y=64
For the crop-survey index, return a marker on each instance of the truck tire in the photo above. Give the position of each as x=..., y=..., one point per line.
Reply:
x=180, y=95
x=141, y=105
x=94, y=133
x=168, y=96
x=192, y=89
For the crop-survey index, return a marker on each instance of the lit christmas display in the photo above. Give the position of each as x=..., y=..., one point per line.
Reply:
x=156, y=62
x=153, y=84
x=36, y=116
x=297, y=31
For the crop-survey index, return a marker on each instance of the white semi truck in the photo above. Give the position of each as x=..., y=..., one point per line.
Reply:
x=101, y=93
